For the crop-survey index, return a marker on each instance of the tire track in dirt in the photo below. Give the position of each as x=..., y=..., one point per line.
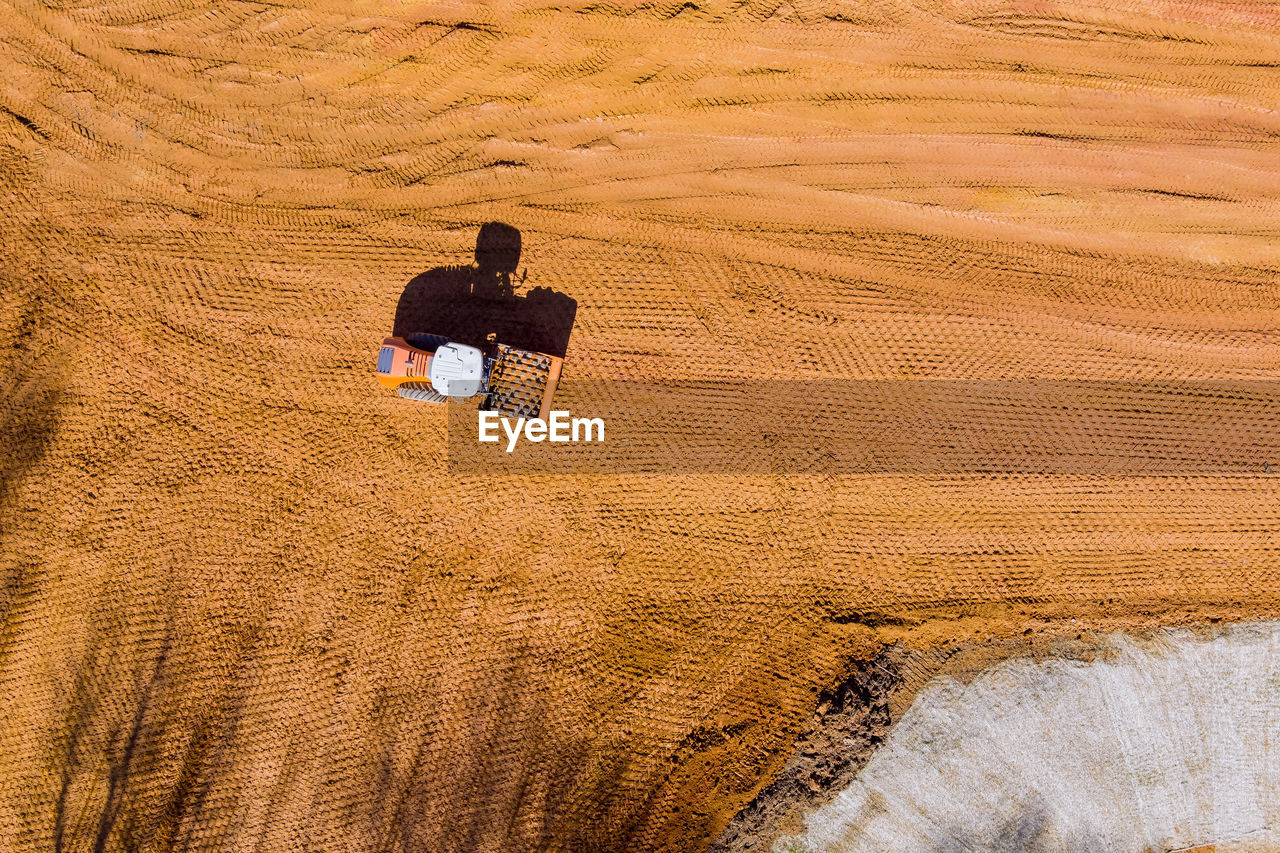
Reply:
x=206, y=243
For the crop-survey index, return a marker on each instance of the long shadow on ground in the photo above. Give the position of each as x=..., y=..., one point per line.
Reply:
x=478, y=304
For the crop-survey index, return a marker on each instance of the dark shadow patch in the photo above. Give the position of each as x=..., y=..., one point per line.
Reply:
x=30, y=394
x=1030, y=830
x=501, y=792
x=31, y=390
x=139, y=752
x=478, y=305
x=210, y=749
x=102, y=731
x=26, y=122
x=874, y=619
x=1185, y=195
x=1044, y=134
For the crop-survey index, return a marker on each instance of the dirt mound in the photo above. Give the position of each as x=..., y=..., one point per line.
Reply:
x=244, y=603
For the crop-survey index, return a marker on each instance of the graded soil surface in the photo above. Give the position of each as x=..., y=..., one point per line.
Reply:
x=245, y=602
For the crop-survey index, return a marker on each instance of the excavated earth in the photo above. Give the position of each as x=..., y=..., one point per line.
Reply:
x=247, y=603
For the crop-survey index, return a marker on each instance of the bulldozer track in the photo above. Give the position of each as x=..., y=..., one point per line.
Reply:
x=242, y=602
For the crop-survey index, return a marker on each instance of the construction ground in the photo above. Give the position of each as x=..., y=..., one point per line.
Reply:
x=246, y=603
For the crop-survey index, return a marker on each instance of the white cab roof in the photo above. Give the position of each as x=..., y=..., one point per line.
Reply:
x=456, y=370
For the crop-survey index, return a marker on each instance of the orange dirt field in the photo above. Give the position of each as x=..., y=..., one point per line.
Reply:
x=245, y=604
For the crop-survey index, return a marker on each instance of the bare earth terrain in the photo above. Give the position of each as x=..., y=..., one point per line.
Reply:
x=244, y=604
x=1153, y=742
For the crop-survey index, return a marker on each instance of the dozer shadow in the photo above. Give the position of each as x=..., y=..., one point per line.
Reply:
x=477, y=304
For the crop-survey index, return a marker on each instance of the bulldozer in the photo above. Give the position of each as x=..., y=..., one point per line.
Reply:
x=513, y=382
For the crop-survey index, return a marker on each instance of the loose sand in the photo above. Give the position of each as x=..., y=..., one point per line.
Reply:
x=243, y=604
